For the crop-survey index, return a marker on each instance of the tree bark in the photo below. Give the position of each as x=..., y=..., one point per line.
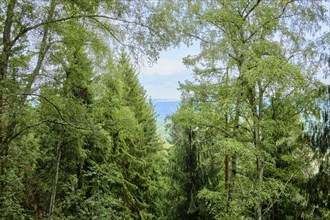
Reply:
x=233, y=157
x=226, y=171
x=54, y=185
x=6, y=39
x=232, y=181
x=256, y=104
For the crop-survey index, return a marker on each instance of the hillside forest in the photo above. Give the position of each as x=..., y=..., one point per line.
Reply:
x=78, y=134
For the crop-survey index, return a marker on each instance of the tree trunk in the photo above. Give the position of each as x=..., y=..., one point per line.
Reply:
x=4, y=62
x=233, y=157
x=6, y=39
x=256, y=104
x=226, y=171
x=260, y=167
x=54, y=186
x=232, y=180
x=226, y=162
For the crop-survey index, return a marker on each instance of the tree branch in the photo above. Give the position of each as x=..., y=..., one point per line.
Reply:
x=109, y=30
x=252, y=9
x=285, y=185
x=58, y=111
x=32, y=126
x=27, y=29
x=267, y=22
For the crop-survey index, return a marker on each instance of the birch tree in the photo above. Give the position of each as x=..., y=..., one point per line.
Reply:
x=262, y=52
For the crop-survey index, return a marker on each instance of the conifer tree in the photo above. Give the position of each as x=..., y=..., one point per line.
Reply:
x=47, y=53
x=130, y=121
x=317, y=135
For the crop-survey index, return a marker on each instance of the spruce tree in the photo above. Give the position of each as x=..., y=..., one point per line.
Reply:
x=130, y=121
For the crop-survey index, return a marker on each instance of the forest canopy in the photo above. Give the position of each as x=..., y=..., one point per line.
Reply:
x=78, y=133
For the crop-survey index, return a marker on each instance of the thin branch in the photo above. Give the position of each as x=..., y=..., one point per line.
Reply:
x=58, y=111
x=267, y=22
x=23, y=130
x=247, y=129
x=32, y=126
x=47, y=100
x=245, y=8
x=109, y=30
x=27, y=29
x=249, y=124
x=216, y=25
x=218, y=128
x=201, y=39
x=283, y=99
x=285, y=185
x=234, y=57
x=252, y=9
x=293, y=55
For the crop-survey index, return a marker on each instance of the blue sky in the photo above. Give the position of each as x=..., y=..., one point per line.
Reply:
x=161, y=80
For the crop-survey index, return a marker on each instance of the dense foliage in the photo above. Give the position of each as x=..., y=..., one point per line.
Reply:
x=78, y=135
x=239, y=148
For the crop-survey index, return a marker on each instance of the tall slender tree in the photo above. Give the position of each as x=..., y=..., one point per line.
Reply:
x=134, y=138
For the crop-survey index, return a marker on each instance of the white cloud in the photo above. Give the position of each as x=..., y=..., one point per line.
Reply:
x=161, y=79
x=164, y=93
x=170, y=62
x=165, y=67
x=163, y=86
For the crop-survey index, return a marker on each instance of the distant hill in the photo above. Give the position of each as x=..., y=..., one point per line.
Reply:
x=165, y=107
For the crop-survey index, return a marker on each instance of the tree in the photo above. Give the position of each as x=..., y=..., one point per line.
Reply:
x=187, y=174
x=317, y=136
x=264, y=75
x=35, y=34
x=135, y=142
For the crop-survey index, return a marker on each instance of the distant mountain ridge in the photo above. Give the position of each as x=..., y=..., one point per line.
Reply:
x=165, y=107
